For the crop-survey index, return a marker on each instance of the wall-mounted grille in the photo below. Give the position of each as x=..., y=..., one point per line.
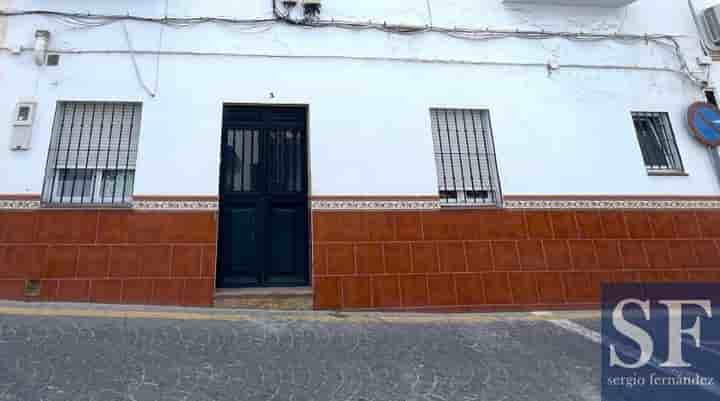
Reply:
x=93, y=150
x=657, y=142
x=465, y=157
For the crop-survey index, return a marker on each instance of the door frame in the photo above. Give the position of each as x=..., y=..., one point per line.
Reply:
x=308, y=180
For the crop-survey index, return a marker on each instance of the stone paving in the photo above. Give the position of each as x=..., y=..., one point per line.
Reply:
x=278, y=356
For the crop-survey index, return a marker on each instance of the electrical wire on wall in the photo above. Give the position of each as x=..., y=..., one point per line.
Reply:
x=669, y=42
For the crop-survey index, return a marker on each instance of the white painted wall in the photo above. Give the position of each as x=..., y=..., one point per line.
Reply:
x=565, y=133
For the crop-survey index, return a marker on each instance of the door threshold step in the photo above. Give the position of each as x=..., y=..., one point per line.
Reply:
x=277, y=298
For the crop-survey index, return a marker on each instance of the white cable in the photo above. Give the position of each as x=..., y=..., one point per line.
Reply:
x=130, y=51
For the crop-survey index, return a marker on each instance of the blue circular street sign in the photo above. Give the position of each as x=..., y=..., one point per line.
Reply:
x=704, y=122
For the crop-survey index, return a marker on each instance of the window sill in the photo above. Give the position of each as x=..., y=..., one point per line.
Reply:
x=661, y=173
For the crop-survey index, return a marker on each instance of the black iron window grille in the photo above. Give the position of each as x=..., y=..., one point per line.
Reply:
x=465, y=157
x=93, y=150
x=657, y=142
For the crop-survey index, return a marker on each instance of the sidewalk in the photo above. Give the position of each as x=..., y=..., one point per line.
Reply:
x=79, y=352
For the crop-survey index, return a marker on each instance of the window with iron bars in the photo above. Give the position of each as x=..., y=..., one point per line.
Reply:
x=657, y=142
x=93, y=150
x=465, y=157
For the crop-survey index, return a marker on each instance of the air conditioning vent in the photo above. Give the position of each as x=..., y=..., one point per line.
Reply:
x=712, y=23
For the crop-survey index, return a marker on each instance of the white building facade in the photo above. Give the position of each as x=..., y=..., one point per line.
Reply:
x=565, y=191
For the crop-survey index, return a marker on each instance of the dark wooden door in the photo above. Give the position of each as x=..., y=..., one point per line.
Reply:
x=264, y=212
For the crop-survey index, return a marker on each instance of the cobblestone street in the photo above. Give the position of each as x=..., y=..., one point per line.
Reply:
x=70, y=352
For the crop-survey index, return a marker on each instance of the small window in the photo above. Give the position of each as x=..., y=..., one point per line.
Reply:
x=92, y=154
x=657, y=142
x=465, y=157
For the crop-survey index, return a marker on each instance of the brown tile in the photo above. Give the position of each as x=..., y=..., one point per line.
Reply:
x=425, y=259
x=452, y=257
x=123, y=261
x=187, y=261
x=149, y=227
x=198, y=292
x=154, y=260
x=414, y=290
x=633, y=254
x=557, y=254
x=675, y=276
x=564, y=224
x=319, y=259
x=356, y=292
x=340, y=259
x=369, y=259
x=638, y=225
x=497, y=288
x=49, y=290
x=509, y=225
x=442, y=225
x=703, y=276
x=649, y=276
x=524, y=288
x=137, y=291
x=532, y=255
x=608, y=253
x=93, y=261
x=167, y=291
x=25, y=261
x=709, y=223
x=67, y=227
x=106, y=291
x=397, y=258
x=479, y=256
x=582, y=253
x=686, y=224
x=441, y=290
x=505, y=255
x=209, y=263
x=590, y=224
x=385, y=291
x=192, y=227
x=681, y=254
x=624, y=277
x=17, y=226
x=480, y=224
x=113, y=227
x=539, y=225
x=62, y=261
x=707, y=253
x=340, y=226
x=470, y=289
x=662, y=224
x=327, y=293
x=550, y=288
x=381, y=226
x=578, y=286
x=12, y=289
x=408, y=227
x=614, y=225
x=73, y=290
x=657, y=253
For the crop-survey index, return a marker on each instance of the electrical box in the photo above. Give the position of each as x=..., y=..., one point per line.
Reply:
x=23, y=120
x=712, y=23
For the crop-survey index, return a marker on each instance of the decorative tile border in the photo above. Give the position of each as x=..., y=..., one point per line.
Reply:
x=175, y=205
x=19, y=204
x=612, y=204
x=415, y=204
x=385, y=204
